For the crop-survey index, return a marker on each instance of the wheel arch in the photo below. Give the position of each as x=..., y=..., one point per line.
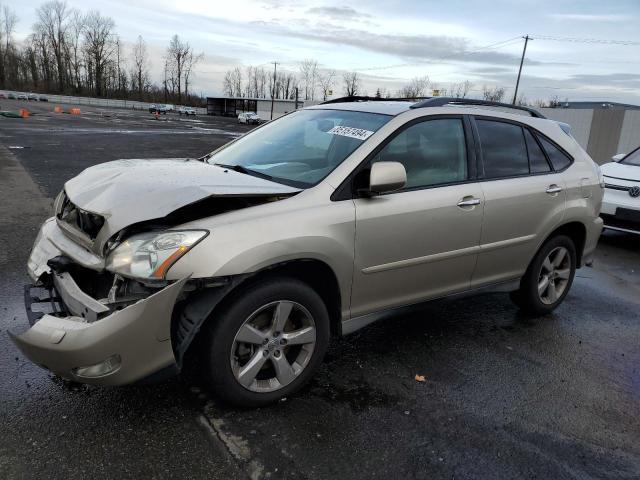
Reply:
x=189, y=319
x=576, y=231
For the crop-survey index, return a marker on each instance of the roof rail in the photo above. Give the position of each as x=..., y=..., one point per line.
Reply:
x=442, y=101
x=356, y=98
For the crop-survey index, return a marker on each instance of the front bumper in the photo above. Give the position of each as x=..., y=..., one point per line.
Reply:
x=620, y=211
x=83, y=331
x=139, y=334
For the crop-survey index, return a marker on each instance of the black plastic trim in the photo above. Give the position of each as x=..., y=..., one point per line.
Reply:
x=359, y=98
x=442, y=101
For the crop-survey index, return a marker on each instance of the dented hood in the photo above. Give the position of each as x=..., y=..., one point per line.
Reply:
x=131, y=191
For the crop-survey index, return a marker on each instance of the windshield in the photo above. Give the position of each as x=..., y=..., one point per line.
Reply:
x=301, y=148
x=633, y=158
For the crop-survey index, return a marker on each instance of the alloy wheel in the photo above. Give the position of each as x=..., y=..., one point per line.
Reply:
x=273, y=346
x=554, y=275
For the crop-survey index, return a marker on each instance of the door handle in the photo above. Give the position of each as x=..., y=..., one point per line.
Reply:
x=469, y=202
x=553, y=189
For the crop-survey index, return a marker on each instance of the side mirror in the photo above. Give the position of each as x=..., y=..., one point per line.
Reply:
x=387, y=177
x=618, y=157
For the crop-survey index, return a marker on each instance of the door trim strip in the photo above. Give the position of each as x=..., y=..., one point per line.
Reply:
x=437, y=257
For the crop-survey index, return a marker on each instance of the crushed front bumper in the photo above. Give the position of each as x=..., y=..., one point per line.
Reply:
x=139, y=334
x=81, y=332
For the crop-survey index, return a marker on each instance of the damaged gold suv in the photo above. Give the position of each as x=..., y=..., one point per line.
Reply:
x=248, y=260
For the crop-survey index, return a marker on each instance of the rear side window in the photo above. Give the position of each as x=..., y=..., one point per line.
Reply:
x=559, y=159
x=504, y=151
x=537, y=161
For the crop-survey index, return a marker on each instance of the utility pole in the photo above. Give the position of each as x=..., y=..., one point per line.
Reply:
x=273, y=90
x=524, y=50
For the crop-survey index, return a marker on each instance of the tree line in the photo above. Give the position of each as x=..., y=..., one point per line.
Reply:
x=311, y=82
x=80, y=53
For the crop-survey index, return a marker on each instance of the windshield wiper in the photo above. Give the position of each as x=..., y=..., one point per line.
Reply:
x=246, y=171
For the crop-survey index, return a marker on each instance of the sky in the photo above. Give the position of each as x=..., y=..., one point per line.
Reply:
x=389, y=42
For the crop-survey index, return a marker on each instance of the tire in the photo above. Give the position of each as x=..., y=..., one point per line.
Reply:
x=545, y=285
x=226, y=357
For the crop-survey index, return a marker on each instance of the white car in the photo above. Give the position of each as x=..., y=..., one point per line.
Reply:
x=249, y=118
x=621, y=202
x=186, y=111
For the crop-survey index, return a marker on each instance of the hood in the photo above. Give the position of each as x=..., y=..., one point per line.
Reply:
x=126, y=192
x=620, y=170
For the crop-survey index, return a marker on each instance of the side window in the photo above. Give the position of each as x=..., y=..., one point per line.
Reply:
x=537, y=160
x=504, y=152
x=559, y=159
x=433, y=152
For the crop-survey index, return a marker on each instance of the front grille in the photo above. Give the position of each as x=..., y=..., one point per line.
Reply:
x=616, y=187
x=87, y=222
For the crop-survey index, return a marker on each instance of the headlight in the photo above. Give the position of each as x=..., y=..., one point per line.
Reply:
x=150, y=255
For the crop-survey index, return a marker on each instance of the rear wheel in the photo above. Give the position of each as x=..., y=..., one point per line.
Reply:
x=549, y=277
x=266, y=342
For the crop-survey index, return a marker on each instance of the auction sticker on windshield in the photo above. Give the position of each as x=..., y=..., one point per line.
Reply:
x=352, y=132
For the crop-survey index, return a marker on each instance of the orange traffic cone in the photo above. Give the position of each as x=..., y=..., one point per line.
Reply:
x=24, y=113
x=58, y=109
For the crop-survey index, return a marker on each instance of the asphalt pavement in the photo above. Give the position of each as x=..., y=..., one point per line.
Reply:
x=504, y=396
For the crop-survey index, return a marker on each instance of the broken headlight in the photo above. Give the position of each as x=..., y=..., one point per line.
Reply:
x=150, y=255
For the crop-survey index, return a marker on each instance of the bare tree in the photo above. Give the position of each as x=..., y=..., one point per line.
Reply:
x=326, y=79
x=352, y=83
x=493, y=94
x=309, y=75
x=53, y=17
x=416, y=88
x=99, y=48
x=232, y=84
x=73, y=48
x=190, y=63
x=460, y=89
x=140, y=65
x=177, y=53
x=9, y=20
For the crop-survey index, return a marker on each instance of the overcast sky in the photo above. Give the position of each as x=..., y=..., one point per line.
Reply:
x=390, y=41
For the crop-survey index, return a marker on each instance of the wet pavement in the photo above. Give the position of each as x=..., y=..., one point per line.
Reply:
x=504, y=396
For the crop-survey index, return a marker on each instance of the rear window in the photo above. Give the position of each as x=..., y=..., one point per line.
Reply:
x=504, y=151
x=559, y=159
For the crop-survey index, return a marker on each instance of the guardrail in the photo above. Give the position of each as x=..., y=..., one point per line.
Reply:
x=105, y=102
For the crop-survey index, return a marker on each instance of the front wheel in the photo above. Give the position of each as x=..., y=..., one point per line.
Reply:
x=266, y=342
x=549, y=277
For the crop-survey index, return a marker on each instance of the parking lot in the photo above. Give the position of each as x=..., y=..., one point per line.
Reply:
x=504, y=396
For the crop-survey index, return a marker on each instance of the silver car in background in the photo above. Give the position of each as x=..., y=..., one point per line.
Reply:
x=249, y=118
x=245, y=262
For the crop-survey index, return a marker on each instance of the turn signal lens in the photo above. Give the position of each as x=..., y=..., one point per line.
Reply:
x=106, y=367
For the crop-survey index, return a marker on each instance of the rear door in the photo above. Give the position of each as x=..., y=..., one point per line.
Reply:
x=419, y=242
x=523, y=197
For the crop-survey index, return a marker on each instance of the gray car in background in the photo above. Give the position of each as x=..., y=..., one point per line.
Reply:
x=247, y=261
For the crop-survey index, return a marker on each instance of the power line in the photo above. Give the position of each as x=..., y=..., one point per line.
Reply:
x=500, y=44
x=585, y=40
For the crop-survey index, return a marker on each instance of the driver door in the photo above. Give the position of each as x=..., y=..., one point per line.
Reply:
x=422, y=241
